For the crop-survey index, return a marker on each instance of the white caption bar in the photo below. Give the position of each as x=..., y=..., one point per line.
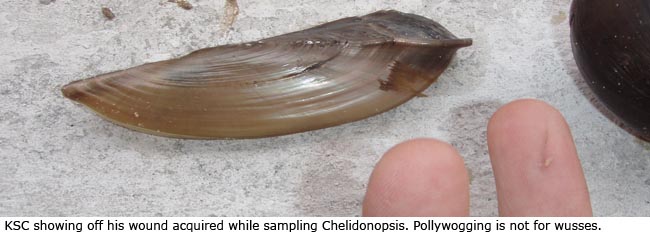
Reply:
x=322, y=225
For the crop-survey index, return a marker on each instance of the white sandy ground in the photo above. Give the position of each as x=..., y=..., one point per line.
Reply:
x=57, y=158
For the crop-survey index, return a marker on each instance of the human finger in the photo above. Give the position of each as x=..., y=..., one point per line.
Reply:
x=422, y=177
x=535, y=163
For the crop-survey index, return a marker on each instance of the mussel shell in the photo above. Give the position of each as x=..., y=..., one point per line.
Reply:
x=611, y=45
x=331, y=74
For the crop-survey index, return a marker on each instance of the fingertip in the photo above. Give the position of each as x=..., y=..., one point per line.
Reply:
x=421, y=177
x=526, y=112
x=525, y=128
x=431, y=152
x=522, y=125
x=535, y=162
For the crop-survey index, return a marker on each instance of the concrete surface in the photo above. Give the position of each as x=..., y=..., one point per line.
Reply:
x=58, y=158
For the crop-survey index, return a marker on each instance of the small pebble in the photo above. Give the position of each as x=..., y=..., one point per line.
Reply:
x=184, y=4
x=108, y=13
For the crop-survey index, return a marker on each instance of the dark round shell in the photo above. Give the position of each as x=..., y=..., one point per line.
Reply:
x=611, y=45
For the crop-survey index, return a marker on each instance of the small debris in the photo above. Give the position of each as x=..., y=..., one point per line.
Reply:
x=232, y=10
x=108, y=13
x=46, y=2
x=559, y=18
x=183, y=4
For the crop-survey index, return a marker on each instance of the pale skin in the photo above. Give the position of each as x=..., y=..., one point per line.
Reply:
x=535, y=163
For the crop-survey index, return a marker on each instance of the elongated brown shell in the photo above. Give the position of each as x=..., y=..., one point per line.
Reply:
x=611, y=44
x=328, y=75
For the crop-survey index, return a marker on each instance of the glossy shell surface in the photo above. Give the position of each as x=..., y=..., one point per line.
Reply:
x=611, y=45
x=332, y=74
